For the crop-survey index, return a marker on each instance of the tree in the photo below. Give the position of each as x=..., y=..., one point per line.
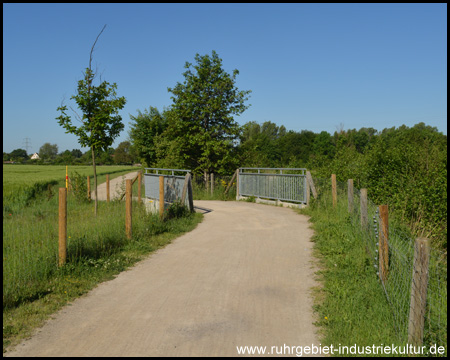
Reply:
x=144, y=129
x=101, y=122
x=122, y=155
x=76, y=153
x=64, y=158
x=106, y=157
x=48, y=151
x=18, y=155
x=204, y=106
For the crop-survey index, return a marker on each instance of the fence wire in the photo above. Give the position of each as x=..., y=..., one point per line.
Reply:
x=398, y=283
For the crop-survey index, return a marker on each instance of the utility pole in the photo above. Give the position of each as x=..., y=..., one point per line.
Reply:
x=27, y=144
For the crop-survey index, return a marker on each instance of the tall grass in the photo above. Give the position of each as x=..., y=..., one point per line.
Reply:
x=30, y=241
x=355, y=307
x=21, y=183
x=200, y=192
x=33, y=284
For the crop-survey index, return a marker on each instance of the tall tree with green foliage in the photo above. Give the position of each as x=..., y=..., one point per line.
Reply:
x=205, y=105
x=122, y=155
x=143, y=131
x=48, y=151
x=100, y=122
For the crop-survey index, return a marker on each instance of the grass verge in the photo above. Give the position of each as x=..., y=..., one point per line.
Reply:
x=97, y=251
x=350, y=305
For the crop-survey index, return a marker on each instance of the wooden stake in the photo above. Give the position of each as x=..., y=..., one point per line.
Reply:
x=383, y=245
x=185, y=187
x=308, y=191
x=62, y=252
x=128, y=207
x=419, y=286
x=231, y=181
x=237, y=184
x=363, y=209
x=161, y=197
x=190, y=195
x=107, y=188
x=311, y=184
x=89, y=188
x=139, y=186
x=212, y=183
x=333, y=189
x=350, y=195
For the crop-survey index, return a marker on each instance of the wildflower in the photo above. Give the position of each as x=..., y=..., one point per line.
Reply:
x=326, y=318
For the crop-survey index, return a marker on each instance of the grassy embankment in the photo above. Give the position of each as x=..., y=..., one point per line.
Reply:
x=350, y=304
x=34, y=287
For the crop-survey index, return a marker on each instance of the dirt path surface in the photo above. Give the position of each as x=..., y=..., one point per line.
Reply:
x=241, y=278
x=114, y=187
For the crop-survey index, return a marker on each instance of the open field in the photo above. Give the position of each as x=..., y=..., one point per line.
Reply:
x=21, y=183
x=33, y=284
x=16, y=176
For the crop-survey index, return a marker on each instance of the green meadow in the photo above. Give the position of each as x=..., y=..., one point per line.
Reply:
x=34, y=286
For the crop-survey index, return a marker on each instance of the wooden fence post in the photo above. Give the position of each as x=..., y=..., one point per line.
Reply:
x=128, y=207
x=62, y=251
x=383, y=245
x=139, y=186
x=231, y=181
x=350, y=195
x=190, y=195
x=161, y=197
x=308, y=191
x=107, y=187
x=187, y=179
x=419, y=286
x=212, y=183
x=333, y=189
x=237, y=184
x=89, y=188
x=363, y=209
x=311, y=184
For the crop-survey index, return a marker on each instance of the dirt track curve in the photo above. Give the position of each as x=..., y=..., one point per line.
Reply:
x=241, y=278
x=114, y=187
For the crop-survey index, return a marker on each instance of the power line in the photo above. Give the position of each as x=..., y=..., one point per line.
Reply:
x=27, y=144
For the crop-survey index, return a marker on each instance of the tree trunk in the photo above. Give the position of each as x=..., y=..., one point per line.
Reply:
x=95, y=180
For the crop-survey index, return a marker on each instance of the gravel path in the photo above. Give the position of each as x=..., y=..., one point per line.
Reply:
x=115, y=186
x=243, y=277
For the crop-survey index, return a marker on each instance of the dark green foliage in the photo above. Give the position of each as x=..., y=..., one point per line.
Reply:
x=16, y=155
x=123, y=153
x=79, y=187
x=203, y=110
x=143, y=132
x=176, y=210
x=100, y=123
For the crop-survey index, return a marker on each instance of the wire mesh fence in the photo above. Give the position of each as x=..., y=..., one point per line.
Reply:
x=414, y=279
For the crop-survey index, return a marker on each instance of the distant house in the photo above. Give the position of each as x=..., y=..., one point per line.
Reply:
x=35, y=156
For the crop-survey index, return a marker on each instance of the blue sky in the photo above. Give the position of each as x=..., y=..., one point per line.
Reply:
x=316, y=67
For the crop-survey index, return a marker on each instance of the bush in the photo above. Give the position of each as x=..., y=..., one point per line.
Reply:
x=79, y=187
x=176, y=210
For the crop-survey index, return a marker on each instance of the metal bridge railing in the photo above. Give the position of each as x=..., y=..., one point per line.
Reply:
x=266, y=183
x=173, y=184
